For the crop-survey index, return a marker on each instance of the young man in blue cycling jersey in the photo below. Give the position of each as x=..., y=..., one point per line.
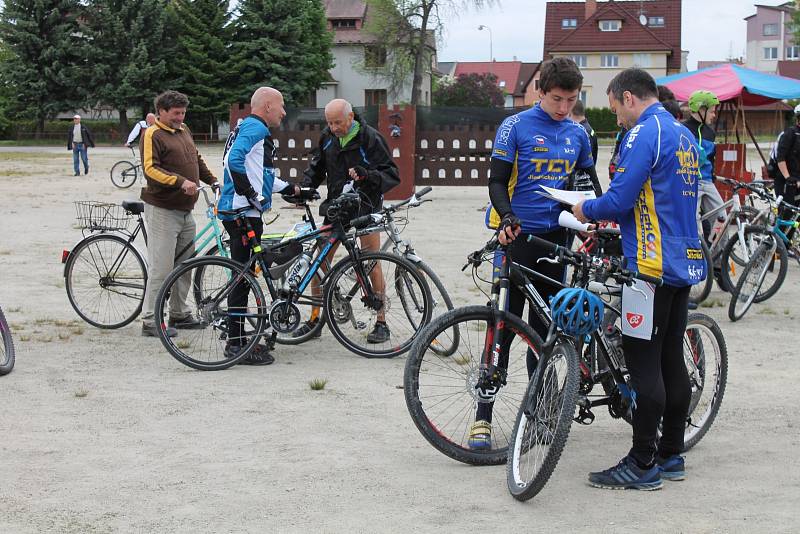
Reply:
x=541, y=146
x=654, y=198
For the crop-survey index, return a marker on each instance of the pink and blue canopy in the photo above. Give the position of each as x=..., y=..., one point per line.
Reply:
x=730, y=81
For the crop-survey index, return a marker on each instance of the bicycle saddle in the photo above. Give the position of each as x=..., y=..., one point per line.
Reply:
x=133, y=206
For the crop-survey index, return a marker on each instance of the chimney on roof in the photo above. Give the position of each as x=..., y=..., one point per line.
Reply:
x=591, y=7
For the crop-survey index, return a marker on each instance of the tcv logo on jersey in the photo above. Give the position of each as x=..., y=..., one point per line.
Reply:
x=689, y=160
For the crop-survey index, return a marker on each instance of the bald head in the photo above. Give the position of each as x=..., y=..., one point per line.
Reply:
x=267, y=103
x=339, y=116
x=150, y=118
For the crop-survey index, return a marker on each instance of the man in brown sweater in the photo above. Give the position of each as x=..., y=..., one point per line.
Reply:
x=173, y=168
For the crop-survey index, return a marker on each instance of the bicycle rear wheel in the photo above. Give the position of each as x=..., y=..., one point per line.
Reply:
x=351, y=314
x=6, y=346
x=105, y=280
x=124, y=174
x=543, y=422
x=706, y=357
x=442, y=394
x=205, y=348
x=752, y=277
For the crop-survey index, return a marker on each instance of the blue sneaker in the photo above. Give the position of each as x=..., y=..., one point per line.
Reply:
x=671, y=467
x=627, y=475
x=480, y=436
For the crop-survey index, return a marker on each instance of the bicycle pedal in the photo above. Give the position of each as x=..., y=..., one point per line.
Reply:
x=584, y=417
x=361, y=325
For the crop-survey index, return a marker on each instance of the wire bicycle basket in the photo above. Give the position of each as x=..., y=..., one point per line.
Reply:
x=101, y=216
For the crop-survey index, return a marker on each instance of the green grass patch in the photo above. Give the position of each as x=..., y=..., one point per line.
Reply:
x=317, y=384
x=11, y=156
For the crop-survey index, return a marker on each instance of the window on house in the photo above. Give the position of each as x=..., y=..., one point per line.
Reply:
x=609, y=60
x=501, y=83
x=771, y=52
x=792, y=52
x=642, y=60
x=610, y=25
x=344, y=24
x=375, y=97
x=536, y=84
x=567, y=24
x=374, y=56
x=583, y=97
x=770, y=29
x=655, y=22
x=580, y=60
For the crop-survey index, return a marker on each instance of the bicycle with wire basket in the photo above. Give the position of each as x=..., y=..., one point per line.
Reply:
x=530, y=415
x=363, y=288
x=126, y=172
x=105, y=274
x=392, y=224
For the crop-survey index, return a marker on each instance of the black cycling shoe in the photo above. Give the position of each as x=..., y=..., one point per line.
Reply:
x=187, y=323
x=307, y=327
x=258, y=356
x=380, y=333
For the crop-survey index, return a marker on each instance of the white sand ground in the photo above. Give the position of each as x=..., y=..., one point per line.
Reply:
x=102, y=431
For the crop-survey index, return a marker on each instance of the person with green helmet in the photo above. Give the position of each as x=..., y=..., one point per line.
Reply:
x=703, y=107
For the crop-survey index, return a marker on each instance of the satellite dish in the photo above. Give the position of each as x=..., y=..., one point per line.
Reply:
x=643, y=19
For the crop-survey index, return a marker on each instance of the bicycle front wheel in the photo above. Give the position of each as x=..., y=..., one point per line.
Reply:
x=105, y=280
x=445, y=395
x=751, y=280
x=733, y=261
x=699, y=292
x=353, y=312
x=440, y=304
x=6, y=346
x=205, y=296
x=124, y=174
x=543, y=422
x=706, y=357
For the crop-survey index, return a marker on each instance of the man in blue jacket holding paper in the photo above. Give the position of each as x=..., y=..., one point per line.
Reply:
x=654, y=198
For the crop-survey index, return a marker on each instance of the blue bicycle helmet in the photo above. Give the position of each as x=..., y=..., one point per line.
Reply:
x=576, y=311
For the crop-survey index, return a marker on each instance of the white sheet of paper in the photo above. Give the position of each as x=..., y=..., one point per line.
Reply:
x=568, y=220
x=567, y=197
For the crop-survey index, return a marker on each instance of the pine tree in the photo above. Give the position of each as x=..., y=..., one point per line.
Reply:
x=44, y=66
x=129, y=47
x=284, y=44
x=201, y=66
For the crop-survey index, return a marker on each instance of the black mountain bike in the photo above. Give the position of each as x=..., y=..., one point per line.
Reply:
x=531, y=416
x=358, y=291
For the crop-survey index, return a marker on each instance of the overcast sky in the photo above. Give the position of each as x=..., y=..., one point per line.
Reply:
x=711, y=30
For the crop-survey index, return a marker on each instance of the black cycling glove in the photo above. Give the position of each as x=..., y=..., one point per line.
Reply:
x=509, y=219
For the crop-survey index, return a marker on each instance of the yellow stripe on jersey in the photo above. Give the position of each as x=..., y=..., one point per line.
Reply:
x=649, y=251
x=150, y=170
x=494, y=217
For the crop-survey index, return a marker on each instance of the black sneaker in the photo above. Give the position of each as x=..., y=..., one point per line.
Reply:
x=306, y=327
x=258, y=356
x=627, y=475
x=380, y=333
x=150, y=331
x=187, y=323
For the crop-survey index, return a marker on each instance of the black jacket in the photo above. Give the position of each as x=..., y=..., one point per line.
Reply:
x=367, y=149
x=789, y=151
x=86, y=135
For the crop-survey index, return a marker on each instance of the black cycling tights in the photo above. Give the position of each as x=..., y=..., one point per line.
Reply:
x=659, y=378
x=526, y=253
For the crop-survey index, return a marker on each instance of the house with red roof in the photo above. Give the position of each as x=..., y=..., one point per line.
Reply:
x=514, y=78
x=606, y=37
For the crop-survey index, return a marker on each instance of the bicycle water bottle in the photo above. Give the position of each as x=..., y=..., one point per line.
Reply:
x=296, y=272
